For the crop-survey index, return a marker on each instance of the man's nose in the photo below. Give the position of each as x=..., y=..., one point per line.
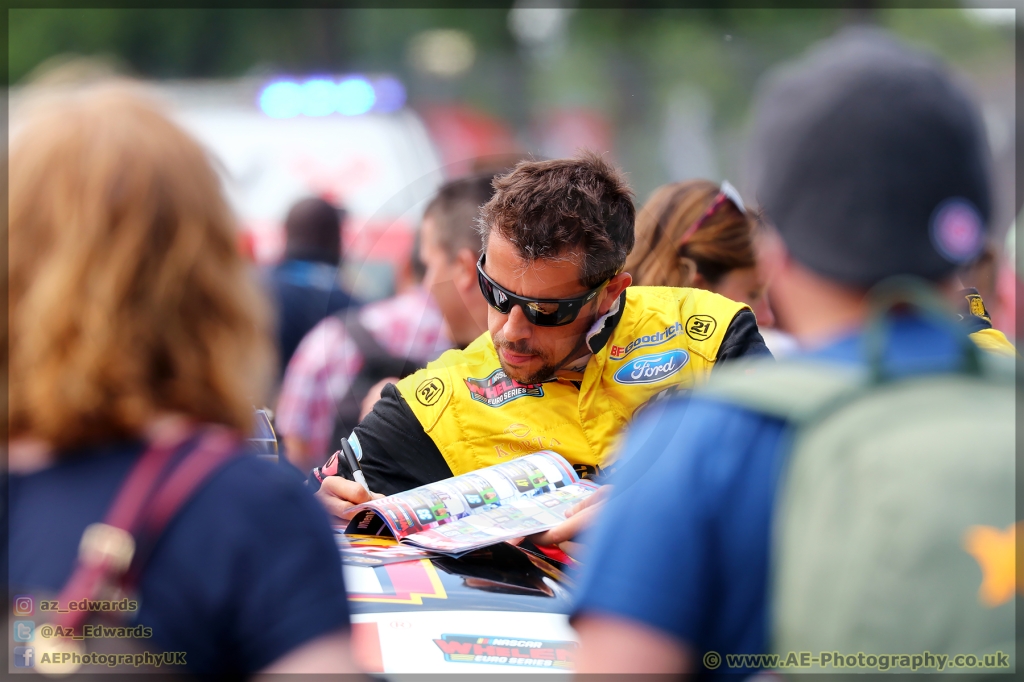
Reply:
x=516, y=327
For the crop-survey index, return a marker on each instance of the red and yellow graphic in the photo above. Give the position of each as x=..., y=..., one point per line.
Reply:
x=409, y=582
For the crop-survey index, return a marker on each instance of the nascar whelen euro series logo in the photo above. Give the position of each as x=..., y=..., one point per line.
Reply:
x=649, y=369
x=498, y=389
x=507, y=651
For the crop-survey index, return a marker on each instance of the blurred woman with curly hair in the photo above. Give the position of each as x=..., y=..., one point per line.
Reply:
x=136, y=334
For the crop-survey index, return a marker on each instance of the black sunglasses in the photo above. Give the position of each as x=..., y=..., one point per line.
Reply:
x=543, y=312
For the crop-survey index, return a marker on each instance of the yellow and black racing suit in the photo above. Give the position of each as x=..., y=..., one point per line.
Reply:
x=975, y=317
x=463, y=413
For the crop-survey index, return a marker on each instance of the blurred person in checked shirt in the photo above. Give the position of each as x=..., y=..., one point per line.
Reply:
x=346, y=359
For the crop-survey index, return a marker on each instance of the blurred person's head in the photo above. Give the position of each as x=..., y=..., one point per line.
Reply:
x=870, y=162
x=699, y=234
x=129, y=299
x=449, y=246
x=558, y=230
x=313, y=231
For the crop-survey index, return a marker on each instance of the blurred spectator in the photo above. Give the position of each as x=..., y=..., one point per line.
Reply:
x=138, y=335
x=305, y=284
x=851, y=507
x=328, y=380
x=699, y=234
x=984, y=282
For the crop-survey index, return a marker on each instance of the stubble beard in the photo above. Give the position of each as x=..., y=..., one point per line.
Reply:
x=546, y=371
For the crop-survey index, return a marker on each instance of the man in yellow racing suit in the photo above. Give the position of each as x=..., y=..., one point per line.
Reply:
x=974, y=315
x=570, y=354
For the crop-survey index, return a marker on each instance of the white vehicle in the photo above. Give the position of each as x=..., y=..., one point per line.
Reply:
x=348, y=139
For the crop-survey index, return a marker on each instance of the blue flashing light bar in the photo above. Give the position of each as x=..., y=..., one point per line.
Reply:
x=355, y=96
x=390, y=94
x=351, y=96
x=320, y=97
x=281, y=100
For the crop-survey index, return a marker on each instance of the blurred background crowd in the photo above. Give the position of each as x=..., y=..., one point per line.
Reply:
x=372, y=108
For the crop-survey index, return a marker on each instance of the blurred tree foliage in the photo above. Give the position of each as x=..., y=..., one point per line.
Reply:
x=626, y=63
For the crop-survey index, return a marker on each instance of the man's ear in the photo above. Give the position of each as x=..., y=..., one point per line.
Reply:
x=464, y=269
x=616, y=285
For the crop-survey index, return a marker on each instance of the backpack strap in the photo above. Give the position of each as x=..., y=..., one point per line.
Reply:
x=794, y=390
x=804, y=390
x=374, y=354
x=377, y=364
x=113, y=553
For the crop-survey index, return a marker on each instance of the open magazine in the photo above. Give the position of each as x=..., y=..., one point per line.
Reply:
x=505, y=501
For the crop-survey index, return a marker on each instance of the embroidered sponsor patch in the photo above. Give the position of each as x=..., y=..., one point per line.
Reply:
x=655, y=339
x=700, y=327
x=649, y=369
x=520, y=653
x=518, y=430
x=977, y=307
x=430, y=391
x=357, y=447
x=498, y=389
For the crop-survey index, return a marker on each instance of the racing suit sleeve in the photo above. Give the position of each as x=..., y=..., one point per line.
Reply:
x=397, y=454
x=742, y=339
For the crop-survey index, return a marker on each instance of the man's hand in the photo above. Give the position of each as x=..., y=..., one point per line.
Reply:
x=339, y=494
x=579, y=517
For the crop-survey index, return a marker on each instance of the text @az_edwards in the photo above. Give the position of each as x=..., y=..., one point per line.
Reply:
x=859, y=661
x=90, y=631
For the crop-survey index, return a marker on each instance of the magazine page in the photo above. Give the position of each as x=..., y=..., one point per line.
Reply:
x=444, y=502
x=520, y=517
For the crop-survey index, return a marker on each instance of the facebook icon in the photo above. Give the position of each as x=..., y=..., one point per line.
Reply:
x=23, y=656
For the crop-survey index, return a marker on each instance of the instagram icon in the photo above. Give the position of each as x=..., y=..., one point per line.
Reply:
x=23, y=605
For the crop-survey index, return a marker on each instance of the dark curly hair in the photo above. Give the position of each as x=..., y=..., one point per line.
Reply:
x=581, y=207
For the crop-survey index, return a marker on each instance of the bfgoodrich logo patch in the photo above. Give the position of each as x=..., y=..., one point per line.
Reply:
x=498, y=389
x=655, y=339
x=649, y=369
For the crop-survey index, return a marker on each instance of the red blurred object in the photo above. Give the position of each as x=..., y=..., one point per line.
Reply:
x=366, y=647
x=1008, y=288
x=379, y=240
x=463, y=135
x=247, y=246
x=564, y=131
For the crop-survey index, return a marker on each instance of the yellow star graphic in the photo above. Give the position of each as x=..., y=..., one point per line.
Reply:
x=995, y=552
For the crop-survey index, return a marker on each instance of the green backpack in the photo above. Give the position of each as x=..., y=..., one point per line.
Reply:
x=892, y=543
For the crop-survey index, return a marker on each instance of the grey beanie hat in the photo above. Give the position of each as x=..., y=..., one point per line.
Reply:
x=871, y=161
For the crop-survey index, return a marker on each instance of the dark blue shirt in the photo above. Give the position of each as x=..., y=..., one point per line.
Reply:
x=246, y=572
x=304, y=293
x=683, y=545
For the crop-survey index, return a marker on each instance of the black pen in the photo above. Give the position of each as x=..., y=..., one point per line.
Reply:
x=353, y=464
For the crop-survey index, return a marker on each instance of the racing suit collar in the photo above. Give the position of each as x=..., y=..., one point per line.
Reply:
x=597, y=337
x=603, y=326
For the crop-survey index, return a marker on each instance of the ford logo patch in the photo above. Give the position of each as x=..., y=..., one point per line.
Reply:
x=649, y=369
